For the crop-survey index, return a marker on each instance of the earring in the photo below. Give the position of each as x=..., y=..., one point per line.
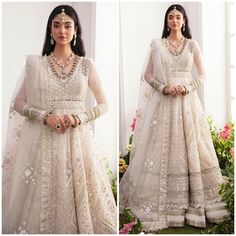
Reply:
x=51, y=40
x=75, y=36
x=183, y=27
x=168, y=28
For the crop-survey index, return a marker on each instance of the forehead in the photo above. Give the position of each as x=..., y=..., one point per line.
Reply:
x=58, y=18
x=175, y=13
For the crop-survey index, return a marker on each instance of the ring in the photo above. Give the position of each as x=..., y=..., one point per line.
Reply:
x=58, y=126
x=67, y=123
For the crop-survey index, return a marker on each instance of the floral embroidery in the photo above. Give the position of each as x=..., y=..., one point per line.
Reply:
x=24, y=229
x=29, y=174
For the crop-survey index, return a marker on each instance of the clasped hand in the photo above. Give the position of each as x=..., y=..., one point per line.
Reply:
x=60, y=123
x=175, y=90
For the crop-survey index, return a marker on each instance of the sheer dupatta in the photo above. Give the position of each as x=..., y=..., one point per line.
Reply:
x=148, y=105
x=27, y=91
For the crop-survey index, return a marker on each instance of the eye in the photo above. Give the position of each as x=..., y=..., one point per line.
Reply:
x=68, y=26
x=55, y=25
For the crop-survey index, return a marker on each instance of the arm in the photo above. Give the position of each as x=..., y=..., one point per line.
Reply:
x=148, y=76
x=23, y=108
x=95, y=84
x=198, y=61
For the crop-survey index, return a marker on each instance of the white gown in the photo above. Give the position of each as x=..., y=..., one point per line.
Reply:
x=174, y=175
x=55, y=183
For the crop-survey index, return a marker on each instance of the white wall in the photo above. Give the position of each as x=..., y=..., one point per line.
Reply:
x=23, y=32
x=106, y=56
x=214, y=48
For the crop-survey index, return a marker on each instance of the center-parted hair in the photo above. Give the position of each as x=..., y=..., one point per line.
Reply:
x=69, y=11
x=186, y=33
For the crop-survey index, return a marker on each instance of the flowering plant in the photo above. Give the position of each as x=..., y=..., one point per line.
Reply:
x=129, y=224
x=124, y=160
x=223, y=141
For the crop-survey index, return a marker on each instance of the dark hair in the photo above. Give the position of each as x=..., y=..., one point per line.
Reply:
x=186, y=33
x=70, y=11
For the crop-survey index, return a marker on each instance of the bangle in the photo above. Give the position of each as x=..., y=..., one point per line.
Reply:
x=76, y=121
x=186, y=90
x=79, y=121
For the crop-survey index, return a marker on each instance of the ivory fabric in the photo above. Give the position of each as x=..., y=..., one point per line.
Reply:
x=55, y=183
x=174, y=175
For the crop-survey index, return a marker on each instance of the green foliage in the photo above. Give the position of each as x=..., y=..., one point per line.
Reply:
x=127, y=217
x=124, y=160
x=223, y=141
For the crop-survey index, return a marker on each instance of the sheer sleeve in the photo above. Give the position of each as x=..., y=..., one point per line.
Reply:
x=148, y=74
x=198, y=61
x=95, y=84
x=21, y=106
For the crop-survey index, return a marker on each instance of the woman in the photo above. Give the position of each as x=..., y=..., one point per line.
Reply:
x=53, y=179
x=174, y=174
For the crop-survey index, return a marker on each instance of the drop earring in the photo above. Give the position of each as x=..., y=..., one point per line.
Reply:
x=168, y=28
x=51, y=40
x=75, y=36
x=183, y=27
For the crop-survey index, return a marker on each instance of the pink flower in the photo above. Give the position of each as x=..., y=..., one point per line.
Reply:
x=127, y=227
x=227, y=127
x=225, y=133
x=133, y=124
x=232, y=152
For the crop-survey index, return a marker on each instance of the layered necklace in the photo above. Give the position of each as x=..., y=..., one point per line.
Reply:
x=176, y=45
x=64, y=76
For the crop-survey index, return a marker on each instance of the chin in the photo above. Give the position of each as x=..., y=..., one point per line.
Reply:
x=63, y=43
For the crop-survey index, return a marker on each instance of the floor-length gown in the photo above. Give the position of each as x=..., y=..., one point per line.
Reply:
x=174, y=175
x=56, y=183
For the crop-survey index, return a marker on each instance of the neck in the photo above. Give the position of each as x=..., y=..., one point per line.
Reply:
x=175, y=35
x=62, y=51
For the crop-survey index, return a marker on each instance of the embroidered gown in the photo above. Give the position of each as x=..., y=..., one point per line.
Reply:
x=56, y=183
x=174, y=175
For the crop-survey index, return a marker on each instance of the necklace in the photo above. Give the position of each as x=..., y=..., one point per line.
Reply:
x=178, y=44
x=64, y=78
x=63, y=66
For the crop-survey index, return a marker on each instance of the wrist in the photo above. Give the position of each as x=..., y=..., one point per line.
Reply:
x=164, y=90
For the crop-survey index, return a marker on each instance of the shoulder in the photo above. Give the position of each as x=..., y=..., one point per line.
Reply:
x=193, y=45
x=156, y=43
x=33, y=59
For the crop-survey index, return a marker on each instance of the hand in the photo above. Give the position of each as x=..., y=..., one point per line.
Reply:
x=56, y=122
x=69, y=120
x=181, y=90
x=171, y=90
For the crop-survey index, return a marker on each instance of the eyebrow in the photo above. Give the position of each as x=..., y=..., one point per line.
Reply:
x=175, y=15
x=67, y=22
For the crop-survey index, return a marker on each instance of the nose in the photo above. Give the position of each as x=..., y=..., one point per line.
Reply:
x=62, y=29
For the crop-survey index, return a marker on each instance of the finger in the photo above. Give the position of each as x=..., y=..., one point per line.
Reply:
x=63, y=126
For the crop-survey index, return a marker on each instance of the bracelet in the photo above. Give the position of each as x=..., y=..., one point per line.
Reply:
x=186, y=90
x=76, y=121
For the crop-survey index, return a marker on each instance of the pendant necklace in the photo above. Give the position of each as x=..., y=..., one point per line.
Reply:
x=178, y=44
x=64, y=76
